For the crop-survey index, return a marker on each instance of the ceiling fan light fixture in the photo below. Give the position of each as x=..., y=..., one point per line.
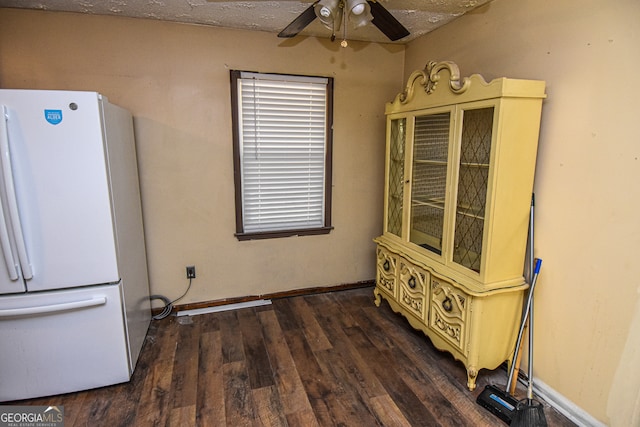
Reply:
x=359, y=12
x=358, y=9
x=327, y=11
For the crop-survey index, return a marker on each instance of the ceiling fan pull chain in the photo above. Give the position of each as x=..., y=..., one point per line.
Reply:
x=344, y=43
x=335, y=26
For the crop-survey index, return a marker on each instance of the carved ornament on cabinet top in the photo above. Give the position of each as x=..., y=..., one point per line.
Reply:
x=430, y=76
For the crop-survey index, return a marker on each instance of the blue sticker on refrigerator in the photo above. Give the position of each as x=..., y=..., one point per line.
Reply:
x=53, y=116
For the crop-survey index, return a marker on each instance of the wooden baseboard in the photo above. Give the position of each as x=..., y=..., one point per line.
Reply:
x=275, y=295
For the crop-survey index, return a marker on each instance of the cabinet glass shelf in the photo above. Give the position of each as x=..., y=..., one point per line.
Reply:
x=429, y=178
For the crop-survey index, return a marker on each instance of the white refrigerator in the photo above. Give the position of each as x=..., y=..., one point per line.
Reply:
x=74, y=291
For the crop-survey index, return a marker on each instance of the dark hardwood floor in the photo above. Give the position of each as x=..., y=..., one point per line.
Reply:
x=331, y=359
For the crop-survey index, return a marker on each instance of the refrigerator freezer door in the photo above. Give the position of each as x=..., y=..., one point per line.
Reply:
x=59, y=170
x=62, y=341
x=10, y=274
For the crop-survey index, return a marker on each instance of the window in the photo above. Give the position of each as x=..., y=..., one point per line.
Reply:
x=282, y=139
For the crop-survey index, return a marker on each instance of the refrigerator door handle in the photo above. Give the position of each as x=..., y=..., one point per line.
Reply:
x=5, y=242
x=12, y=202
x=54, y=308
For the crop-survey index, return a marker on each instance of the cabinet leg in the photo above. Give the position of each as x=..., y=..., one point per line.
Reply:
x=376, y=294
x=472, y=374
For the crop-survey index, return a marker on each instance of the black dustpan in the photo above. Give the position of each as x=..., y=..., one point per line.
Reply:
x=502, y=403
x=499, y=402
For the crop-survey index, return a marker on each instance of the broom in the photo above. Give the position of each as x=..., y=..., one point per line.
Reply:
x=530, y=412
x=499, y=402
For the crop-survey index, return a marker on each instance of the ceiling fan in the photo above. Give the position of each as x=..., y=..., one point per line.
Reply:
x=360, y=12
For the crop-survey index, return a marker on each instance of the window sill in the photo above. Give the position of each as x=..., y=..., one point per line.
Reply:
x=283, y=233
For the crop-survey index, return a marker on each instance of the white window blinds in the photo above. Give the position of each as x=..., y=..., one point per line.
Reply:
x=283, y=125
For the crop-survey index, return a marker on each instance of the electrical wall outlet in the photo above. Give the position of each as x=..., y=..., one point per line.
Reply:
x=191, y=272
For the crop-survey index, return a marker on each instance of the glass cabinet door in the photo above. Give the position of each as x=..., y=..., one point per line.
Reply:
x=429, y=178
x=473, y=177
x=395, y=194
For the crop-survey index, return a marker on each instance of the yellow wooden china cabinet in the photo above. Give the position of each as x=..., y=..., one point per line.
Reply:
x=460, y=161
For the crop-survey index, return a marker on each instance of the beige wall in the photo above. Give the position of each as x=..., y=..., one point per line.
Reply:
x=174, y=78
x=587, y=181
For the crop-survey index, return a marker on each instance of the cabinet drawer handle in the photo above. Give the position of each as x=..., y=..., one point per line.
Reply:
x=386, y=265
x=412, y=282
x=447, y=305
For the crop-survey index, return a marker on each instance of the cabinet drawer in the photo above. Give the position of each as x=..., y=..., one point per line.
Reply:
x=386, y=271
x=412, y=288
x=449, y=312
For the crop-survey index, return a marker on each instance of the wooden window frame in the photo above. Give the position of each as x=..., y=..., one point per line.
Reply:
x=326, y=227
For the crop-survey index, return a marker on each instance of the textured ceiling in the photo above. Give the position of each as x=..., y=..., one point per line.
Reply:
x=418, y=16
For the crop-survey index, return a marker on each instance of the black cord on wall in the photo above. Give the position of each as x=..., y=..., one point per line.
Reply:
x=168, y=305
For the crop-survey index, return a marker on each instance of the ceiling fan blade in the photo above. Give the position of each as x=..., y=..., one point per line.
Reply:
x=386, y=22
x=300, y=23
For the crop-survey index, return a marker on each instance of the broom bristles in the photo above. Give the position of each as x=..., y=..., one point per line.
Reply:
x=529, y=413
